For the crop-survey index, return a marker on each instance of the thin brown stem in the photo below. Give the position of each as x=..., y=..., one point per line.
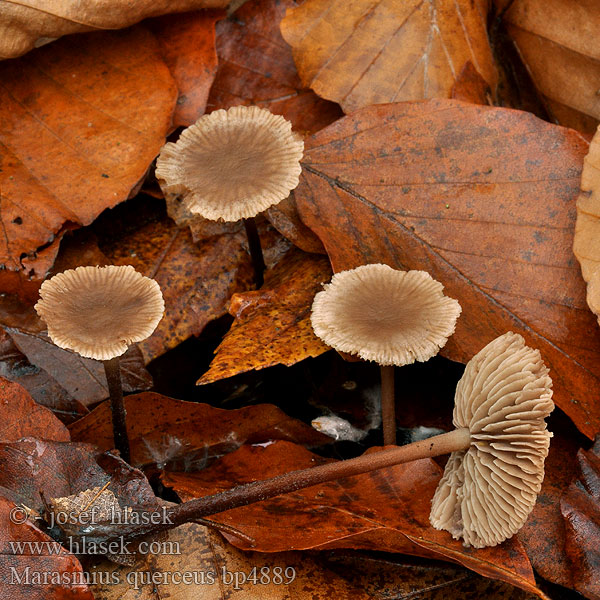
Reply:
x=388, y=405
x=112, y=368
x=258, y=261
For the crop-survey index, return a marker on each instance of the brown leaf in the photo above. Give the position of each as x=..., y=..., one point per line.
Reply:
x=25, y=26
x=30, y=568
x=74, y=140
x=385, y=510
x=470, y=86
x=557, y=41
x=272, y=324
x=82, y=378
x=164, y=430
x=377, y=51
x=220, y=571
x=256, y=67
x=483, y=199
x=580, y=509
x=21, y=417
x=187, y=42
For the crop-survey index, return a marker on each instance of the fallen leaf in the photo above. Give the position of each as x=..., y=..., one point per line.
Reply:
x=379, y=51
x=580, y=509
x=25, y=26
x=73, y=140
x=272, y=324
x=197, y=563
x=484, y=199
x=187, y=42
x=256, y=67
x=470, y=86
x=21, y=417
x=82, y=378
x=385, y=510
x=22, y=572
x=556, y=39
x=165, y=431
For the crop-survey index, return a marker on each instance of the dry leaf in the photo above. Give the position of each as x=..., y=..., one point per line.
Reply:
x=272, y=324
x=385, y=510
x=26, y=25
x=73, y=140
x=378, y=51
x=557, y=40
x=587, y=227
x=21, y=417
x=482, y=198
x=164, y=431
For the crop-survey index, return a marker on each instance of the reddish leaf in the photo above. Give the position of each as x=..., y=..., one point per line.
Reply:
x=21, y=417
x=272, y=324
x=73, y=139
x=22, y=573
x=188, y=46
x=482, y=198
x=164, y=430
x=470, y=86
x=386, y=510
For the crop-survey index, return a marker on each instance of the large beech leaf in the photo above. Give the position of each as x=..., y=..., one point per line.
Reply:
x=164, y=430
x=22, y=573
x=272, y=324
x=73, y=139
x=24, y=25
x=21, y=417
x=482, y=198
x=556, y=39
x=385, y=510
x=376, y=51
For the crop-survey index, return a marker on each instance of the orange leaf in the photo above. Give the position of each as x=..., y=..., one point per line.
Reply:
x=378, y=51
x=272, y=325
x=482, y=198
x=73, y=139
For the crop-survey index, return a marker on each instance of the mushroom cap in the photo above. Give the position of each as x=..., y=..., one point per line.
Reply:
x=384, y=315
x=488, y=491
x=232, y=164
x=99, y=311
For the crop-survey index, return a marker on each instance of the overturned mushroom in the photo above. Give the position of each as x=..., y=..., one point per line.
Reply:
x=98, y=312
x=233, y=164
x=387, y=316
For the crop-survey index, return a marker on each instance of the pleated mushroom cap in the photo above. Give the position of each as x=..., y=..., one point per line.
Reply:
x=99, y=311
x=384, y=315
x=232, y=164
x=488, y=491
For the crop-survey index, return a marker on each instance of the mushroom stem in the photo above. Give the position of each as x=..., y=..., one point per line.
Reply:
x=388, y=405
x=242, y=495
x=258, y=261
x=112, y=369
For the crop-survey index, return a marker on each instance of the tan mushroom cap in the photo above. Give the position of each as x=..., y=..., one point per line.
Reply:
x=99, y=311
x=381, y=314
x=232, y=164
x=488, y=491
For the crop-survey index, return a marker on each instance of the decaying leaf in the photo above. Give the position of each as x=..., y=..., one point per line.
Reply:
x=557, y=41
x=73, y=140
x=484, y=200
x=21, y=417
x=380, y=51
x=385, y=510
x=272, y=324
x=164, y=431
x=587, y=227
x=26, y=25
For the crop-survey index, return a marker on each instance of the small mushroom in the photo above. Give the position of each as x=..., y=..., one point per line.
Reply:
x=233, y=164
x=98, y=312
x=387, y=316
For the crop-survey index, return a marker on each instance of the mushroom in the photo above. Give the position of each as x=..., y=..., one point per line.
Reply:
x=387, y=316
x=233, y=164
x=98, y=312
